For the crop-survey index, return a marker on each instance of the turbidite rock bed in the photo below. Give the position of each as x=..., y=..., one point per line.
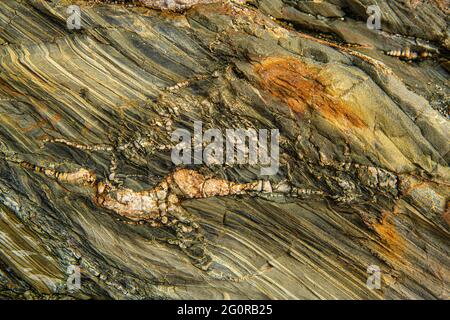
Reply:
x=86, y=176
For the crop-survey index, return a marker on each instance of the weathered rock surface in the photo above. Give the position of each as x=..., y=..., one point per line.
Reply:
x=86, y=176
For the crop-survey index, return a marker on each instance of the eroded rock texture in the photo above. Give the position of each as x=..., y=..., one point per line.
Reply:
x=86, y=176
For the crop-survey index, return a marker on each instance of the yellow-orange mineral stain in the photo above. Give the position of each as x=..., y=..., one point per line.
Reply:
x=390, y=237
x=298, y=85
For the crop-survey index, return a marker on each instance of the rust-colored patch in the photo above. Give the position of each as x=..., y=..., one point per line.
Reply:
x=390, y=236
x=219, y=8
x=441, y=4
x=7, y=90
x=298, y=85
x=446, y=214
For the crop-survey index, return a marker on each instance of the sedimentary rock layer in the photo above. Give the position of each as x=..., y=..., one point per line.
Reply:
x=86, y=176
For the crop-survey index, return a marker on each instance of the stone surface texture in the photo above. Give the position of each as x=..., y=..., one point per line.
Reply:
x=86, y=176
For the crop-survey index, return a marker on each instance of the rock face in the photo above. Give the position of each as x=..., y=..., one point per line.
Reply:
x=87, y=180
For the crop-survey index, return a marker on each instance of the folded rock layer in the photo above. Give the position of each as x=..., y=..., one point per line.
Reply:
x=87, y=180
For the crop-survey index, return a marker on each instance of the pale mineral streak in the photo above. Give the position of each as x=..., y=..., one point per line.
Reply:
x=176, y=5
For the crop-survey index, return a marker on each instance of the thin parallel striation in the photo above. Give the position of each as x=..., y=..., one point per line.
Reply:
x=86, y=176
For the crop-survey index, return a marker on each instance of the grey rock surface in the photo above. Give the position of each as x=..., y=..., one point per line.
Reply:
x=86, y=176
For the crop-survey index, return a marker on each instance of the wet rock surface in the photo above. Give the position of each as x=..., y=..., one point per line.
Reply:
x=86, y=176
